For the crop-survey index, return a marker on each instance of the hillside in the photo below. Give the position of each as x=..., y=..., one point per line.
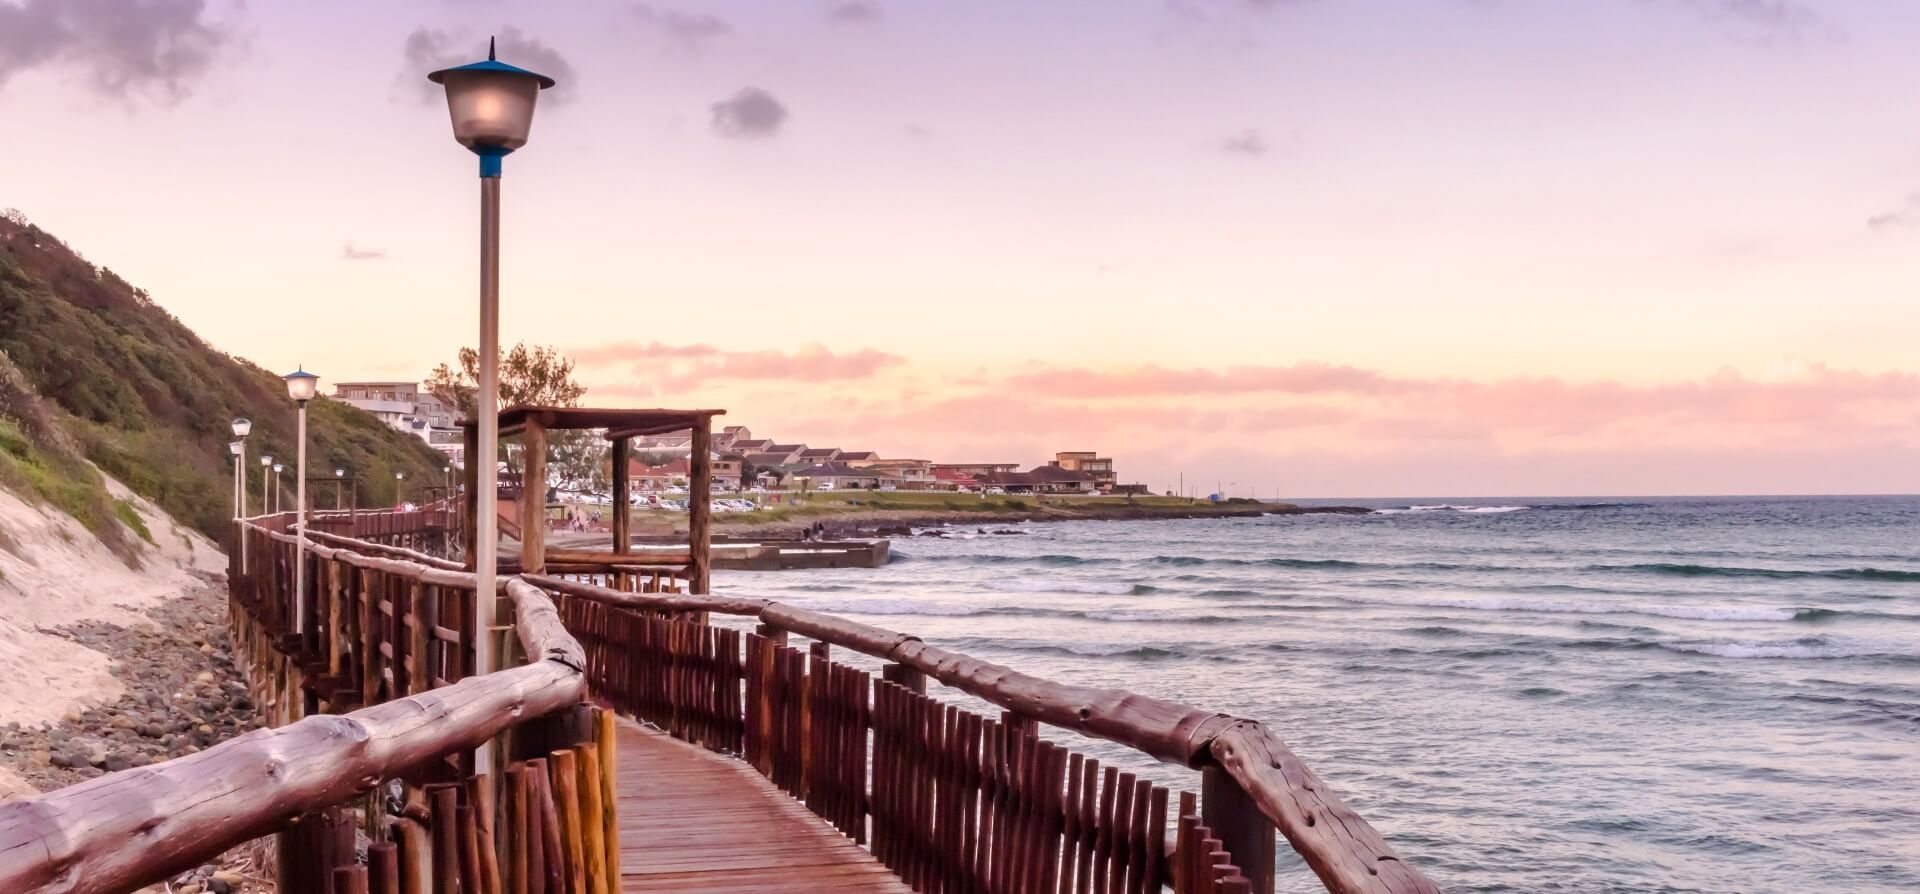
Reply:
x=93, y=368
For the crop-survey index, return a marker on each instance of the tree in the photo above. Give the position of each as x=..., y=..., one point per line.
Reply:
x=536, y=376
x=748, y=471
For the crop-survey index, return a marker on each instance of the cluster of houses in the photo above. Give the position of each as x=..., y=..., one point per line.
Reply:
x=740, y=460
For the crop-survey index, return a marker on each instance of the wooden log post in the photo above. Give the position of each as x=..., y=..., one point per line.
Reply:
x=604, y=729
x=565, y=781
x=383, y=868
x=700, y=507
x=589, y=788
x=308, y=851
x=622, y=496
x=533, y=499
x=772, y=634
x=1236, y=820
x=415, y=846
x=443, y=800
x=470, y=473
x=911, y=677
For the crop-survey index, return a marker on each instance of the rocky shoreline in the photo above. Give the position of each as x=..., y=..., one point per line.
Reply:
x=183, y=693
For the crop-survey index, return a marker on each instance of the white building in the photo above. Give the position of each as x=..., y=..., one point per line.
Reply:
x=407, y=407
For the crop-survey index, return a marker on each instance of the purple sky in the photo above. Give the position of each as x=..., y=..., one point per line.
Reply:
x=1591, y=246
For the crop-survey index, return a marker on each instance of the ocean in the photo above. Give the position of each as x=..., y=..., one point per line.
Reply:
x=1523, y=694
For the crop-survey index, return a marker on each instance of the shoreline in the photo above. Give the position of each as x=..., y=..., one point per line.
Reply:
x=859, y=521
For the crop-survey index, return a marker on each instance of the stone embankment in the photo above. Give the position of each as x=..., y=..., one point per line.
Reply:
x=182, y=693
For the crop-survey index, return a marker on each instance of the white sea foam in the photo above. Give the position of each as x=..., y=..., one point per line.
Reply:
x=1553, y=606
x=892, y=607
x=1060, y=585
x=1450, y=507
x=1804, y=649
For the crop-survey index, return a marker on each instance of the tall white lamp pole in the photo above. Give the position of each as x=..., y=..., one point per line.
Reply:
x=301, y=386
x=491, y=106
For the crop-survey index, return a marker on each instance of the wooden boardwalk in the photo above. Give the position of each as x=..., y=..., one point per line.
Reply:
x=693, y=820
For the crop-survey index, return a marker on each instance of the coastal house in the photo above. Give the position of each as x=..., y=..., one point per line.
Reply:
x=407, y=407
x=1052, y=479
x=977, y=468
x=672, y=442
x=745, y=446
x=726, y=474
x=819, y=455
x=727, y=437
x=954, y=479
x=859, y=459
x=911, y=474
x=790, y=452
x=838, y=476
x=657, y=478
x=1100, y=467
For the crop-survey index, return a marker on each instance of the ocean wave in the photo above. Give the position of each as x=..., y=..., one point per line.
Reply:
x=1057, y=559
x=1548, y=606
x=1675, y=569
x=1805, y=648
x=1060, y=585
x=1451, y=507
x=1075, y=649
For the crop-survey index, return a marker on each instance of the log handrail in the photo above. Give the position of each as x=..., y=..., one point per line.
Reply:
x=1346, y=852
x=131, y=828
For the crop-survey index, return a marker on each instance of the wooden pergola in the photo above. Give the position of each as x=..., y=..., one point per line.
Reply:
x=532, y=423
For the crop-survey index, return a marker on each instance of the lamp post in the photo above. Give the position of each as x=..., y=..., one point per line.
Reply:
x=266, y=490
x=491, y=107
x=399, y=487
x=242, y=426
x=277, y=468
x=301, y=386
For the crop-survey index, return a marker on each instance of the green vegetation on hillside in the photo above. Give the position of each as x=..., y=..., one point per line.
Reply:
x=147, y=401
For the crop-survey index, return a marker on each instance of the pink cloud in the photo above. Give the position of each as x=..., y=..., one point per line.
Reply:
x=1299, y=378
x=687, y=367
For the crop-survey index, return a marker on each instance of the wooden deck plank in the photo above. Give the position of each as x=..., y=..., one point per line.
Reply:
x=693, y=820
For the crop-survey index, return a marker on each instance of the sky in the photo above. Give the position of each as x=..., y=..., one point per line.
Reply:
x=1308, y=248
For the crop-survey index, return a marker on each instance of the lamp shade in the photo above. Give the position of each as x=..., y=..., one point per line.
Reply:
x=277, y=468
x=266, y=460
x=302, y=385
x=491, y=103
x=339, y=473
x=234, y=447
x=242, y=426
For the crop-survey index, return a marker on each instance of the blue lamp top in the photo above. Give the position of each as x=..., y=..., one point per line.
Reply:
x=491, y=64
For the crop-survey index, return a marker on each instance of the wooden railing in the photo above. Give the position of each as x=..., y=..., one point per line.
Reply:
x=956, y=801
x=949, y=799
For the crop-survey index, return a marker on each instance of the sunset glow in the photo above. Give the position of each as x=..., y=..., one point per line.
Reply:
x=1380, y=247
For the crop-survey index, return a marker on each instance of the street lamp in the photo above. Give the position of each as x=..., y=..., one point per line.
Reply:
x=242, y=426
x=399, y=486
x=301, y=386
x=266, y=493
x=277, y=469
x=490, y=104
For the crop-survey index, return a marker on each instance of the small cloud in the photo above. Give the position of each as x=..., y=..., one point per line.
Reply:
x=1906, y=217
x=1765, y=19
x=429, y=49
x=349, y=252
x=855, y=12
x=918, y=132
x=687, y=29
x=119, y=48
x=752, y=113
x=1248, y=142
